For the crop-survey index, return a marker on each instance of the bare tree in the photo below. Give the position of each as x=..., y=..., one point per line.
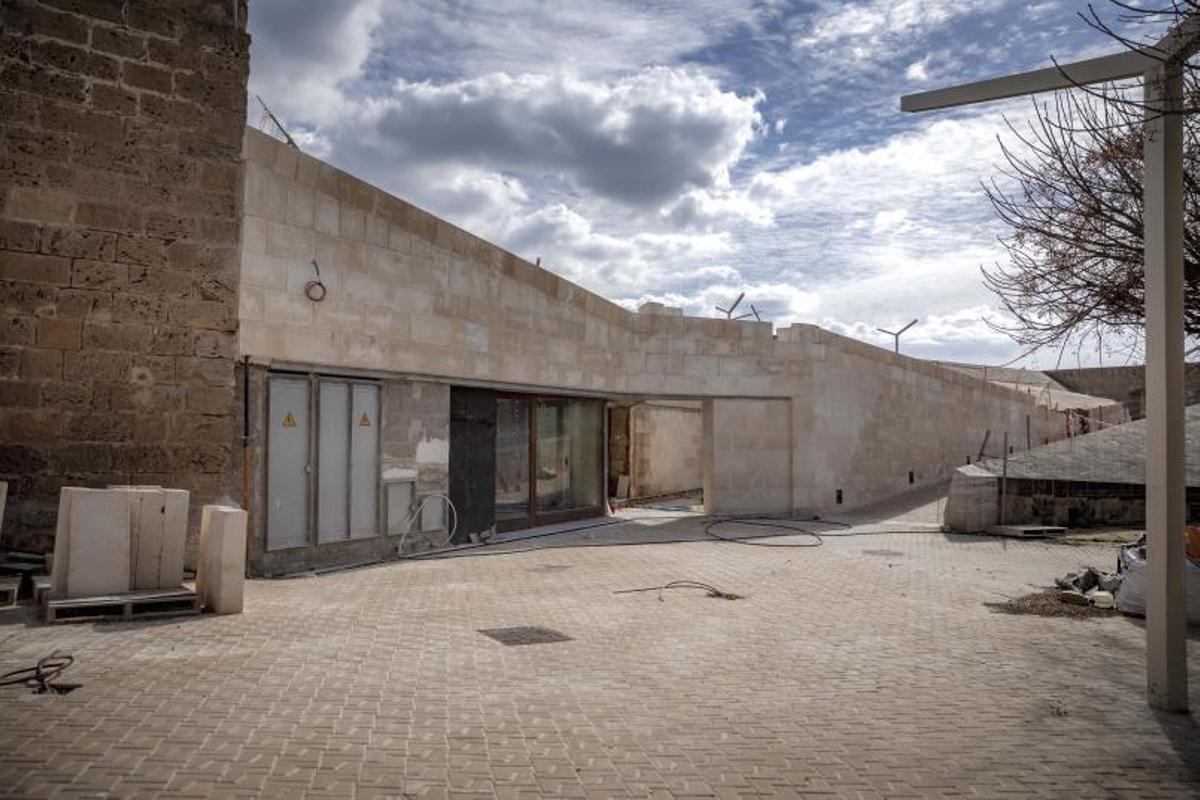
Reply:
x=1071, y=194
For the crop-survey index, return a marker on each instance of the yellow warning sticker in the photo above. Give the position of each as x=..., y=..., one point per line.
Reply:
x=289, y=421
x=364, y=421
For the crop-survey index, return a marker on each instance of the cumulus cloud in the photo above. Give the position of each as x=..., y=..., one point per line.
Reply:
x=302, y=54
x=682, y=151
x=619, y=267
x=640, y=140
x=601, y=38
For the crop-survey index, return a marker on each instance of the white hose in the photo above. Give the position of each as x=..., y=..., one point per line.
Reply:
x=412, y=518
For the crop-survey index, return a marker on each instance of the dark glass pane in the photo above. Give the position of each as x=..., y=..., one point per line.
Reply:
x=512, y=458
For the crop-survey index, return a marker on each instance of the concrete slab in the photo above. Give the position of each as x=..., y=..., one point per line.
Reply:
x=60, y=557
x=98, y=542
x=221, y=561
x=1026, y=531
x=158, y=533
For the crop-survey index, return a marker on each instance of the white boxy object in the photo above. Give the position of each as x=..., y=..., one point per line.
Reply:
x=221, y=561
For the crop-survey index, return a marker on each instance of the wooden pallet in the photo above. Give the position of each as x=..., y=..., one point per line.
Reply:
x=9, y=587
x=42, y=585
x=1026, y=531
x=133, y=605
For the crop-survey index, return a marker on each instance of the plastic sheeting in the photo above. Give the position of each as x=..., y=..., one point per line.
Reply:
x=1131, y=596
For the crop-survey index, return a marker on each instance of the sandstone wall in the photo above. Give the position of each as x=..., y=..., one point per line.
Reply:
x=120, y=139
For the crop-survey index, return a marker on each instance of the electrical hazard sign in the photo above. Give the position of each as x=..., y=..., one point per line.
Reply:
x=364, y=421
x=289, y=421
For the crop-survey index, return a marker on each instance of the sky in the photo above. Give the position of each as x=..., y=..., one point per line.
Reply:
x=684, y=151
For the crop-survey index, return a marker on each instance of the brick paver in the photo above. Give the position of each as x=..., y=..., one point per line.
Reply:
x=842, y=673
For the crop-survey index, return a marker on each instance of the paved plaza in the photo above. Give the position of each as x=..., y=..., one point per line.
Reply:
x=869, y=667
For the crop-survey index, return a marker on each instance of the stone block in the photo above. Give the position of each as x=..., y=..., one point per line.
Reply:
x=98, y=274
x=221, y=559
x=31, y=268
x=41, y=364
x=61, y=334
x=118, y=42
x=91, y=550
x=158, y=535
x=144, y=76
x=973, y=503
x=39, y=205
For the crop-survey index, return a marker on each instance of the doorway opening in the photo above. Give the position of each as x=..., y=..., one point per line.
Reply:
x=655, y=453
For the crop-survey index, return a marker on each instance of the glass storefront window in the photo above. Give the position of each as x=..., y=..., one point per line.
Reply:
x=512, y=458
x=568, y=454
x=549, y=459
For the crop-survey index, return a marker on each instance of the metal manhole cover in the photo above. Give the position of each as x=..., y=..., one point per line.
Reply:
x=525, y=635
x=890, y=553
x=549, y=568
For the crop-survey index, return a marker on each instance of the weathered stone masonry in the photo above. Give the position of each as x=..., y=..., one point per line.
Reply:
x=121, y=127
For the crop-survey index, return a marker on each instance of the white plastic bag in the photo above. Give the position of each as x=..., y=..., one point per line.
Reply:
x=1131, y=595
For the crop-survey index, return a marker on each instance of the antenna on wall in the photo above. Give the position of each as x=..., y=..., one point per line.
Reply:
x=728, y=312
x=275, y=121
x=896, y=334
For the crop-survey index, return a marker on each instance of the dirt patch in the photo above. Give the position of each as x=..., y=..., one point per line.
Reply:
x=1083, y=537
x=1046, y=603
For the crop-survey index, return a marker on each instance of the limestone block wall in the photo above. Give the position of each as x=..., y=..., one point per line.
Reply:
x=869, y=418
x=120, y=194
x=747, y=451
x=410, y=294
x=665, y=447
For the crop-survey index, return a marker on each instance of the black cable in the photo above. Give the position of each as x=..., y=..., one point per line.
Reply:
x=708, y=531
x=768, y=521
x=493, y=542
x=711, y=590
x=38, y=676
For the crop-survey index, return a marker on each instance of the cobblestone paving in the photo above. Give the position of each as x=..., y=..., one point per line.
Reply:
x=866, y=668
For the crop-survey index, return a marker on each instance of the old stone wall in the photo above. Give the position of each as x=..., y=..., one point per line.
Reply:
x=120, y=140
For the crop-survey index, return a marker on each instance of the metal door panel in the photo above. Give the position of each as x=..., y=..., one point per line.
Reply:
x=364, y=461
x=333, y=461
x=287, y=463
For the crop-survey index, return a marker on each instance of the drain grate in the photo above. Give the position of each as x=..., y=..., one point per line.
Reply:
x=889, y=553
x=531, y=634
x=549, y=568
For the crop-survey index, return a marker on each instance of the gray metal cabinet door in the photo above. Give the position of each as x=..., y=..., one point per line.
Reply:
x=364, y=461
x=333, y=461
x=287, y=463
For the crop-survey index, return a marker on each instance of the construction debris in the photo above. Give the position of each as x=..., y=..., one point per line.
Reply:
x=1131, y=597
x=1047, y=603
